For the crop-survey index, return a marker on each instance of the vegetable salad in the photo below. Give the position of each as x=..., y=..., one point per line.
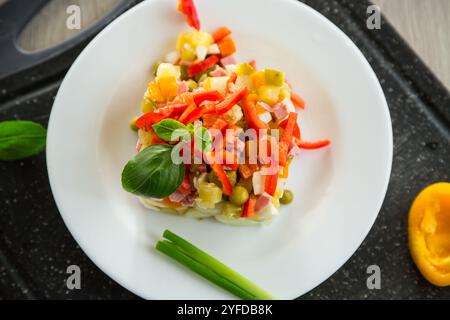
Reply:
x=217, y=136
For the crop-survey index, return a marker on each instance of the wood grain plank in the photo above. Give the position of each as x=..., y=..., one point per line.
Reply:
x=425, y=25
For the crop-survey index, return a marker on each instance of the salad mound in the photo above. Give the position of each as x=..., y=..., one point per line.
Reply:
x=216, y=137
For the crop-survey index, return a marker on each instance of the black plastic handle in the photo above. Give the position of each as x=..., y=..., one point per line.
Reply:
x=15, y=14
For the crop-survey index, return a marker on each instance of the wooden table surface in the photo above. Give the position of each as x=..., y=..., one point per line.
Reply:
x=425, y=25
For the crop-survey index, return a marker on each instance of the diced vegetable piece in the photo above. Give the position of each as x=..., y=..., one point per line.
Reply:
x=233, y=115
x=202, y=66
x=239, y=196
x=249, y=209
x=147, y=105
x=244, y=69
x=172, y=57
x=154, y=93
x=201, y=52
x=274, y=77
x=287, y=197
x=258, y=182
x=192, y=85
x=247, y=170
x=221, y=33
x=168, y=86
x=285, y=93
x=188, y=41
x=231, y=210
x=258, y=79
x=168, y=69
x=262, y=202
x=209, y=119
x=231, y=100
x=268, y=94
x=188, y=8
x=227, y=47
x=213, y=49
x=216, y=83
x=313, y=145
x=209, y=194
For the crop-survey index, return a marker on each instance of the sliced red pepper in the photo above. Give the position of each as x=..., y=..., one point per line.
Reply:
x=231, y=100
x=202, y=66
x=271, y=182
x=172, y=110
x=313, y=145
x=249, y=208
x=185, y=186
x=194, y=115
x=227, y=188
x=212, y=95
x=187, y=7
x=286, y=138
x=231, y=80
x=296, y=133
x=146, y=121
x=251, y=117
x=297, y=100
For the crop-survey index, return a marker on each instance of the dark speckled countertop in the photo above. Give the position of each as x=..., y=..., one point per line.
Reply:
x=36, y=247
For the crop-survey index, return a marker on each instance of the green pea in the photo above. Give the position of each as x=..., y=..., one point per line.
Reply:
x=239, y=196
x=287, y=197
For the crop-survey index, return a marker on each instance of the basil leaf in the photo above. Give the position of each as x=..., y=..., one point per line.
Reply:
x=21, y=139
x=202, y=138
x=165, y=129
x=152, y=172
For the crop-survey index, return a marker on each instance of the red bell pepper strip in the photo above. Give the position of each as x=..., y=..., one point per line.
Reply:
x=146, y=121
x=194, y=115
x=231, y=100
x=297, y=100
x=286, y=138
x=212, y=95
x=251, y=117
x=296, y=133
x=189, y=100
x=202, y=66
x=227, y=188
x=313, y=145
x=271, y=182
x=221, y=33
x=187, y=7
x=249, y=208
x=172, y=110
x=231, y=80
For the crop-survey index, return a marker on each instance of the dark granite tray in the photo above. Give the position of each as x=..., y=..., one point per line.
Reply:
x=36, y=247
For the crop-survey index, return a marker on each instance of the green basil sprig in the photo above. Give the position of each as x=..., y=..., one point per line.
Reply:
x=156, y=171
x=152, y=172
x=21, y=139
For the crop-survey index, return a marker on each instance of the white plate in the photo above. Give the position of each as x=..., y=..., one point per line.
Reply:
x=338, y=190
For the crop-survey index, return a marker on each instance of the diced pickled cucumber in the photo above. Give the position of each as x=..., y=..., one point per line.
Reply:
x=209, y=194
x=244, y=69
x=192, y=84
x=274, y=77
x=232, y=211
x=269, y=94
